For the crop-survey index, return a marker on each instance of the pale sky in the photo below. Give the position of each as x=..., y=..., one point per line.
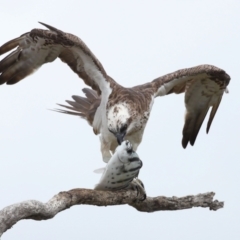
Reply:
x=43, y=153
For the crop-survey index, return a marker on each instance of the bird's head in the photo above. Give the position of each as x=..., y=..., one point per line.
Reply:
x=119, y=121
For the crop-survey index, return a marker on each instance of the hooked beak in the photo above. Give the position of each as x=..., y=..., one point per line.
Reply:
x=120, y=137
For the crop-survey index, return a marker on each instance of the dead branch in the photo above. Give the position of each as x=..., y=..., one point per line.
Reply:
x=36, y=210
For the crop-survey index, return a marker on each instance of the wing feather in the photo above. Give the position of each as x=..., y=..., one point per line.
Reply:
x=193, y=123
x=9, y=60
x=10, y=45
x=204, y=86
x=39, y=46
x=84, y=107
x=213, y=112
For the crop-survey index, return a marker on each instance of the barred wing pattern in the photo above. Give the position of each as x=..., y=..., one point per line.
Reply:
x=203, y=86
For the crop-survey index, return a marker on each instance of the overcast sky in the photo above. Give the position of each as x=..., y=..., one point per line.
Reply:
x=43, y=153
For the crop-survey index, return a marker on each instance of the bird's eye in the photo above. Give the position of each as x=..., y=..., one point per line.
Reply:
x=129, y=151
x=129, y=147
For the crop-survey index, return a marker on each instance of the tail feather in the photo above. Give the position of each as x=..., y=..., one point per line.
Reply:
x=81, y=100
x=78, y=106
x=68, y=112
x=81, y=106
x=90, y=94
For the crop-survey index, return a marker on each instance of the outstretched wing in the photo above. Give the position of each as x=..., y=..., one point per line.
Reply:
x=42, y=46
x=204, y=86
x=84, y=107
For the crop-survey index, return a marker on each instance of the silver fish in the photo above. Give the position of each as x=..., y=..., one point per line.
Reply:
x=121, y=169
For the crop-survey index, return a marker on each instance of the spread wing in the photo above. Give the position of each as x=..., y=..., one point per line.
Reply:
x=84, y=107
x=203, y=86
x=42, y=46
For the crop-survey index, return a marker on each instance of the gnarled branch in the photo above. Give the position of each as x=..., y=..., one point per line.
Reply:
x=36, y=210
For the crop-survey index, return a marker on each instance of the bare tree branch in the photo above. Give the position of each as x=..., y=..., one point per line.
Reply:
x=36, y=210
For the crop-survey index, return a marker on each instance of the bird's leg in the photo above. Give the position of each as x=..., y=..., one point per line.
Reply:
x=137, y=185
x=105, y=149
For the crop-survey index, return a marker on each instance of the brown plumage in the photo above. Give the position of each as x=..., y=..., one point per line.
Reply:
x=113, y=111
x=83, y=107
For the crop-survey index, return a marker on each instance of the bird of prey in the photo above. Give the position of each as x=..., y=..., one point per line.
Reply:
x=118, y=113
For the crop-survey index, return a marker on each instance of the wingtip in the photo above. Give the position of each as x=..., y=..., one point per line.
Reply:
x=208, y=128
x=192, y=141
x=184, y=143
x=53, y=110
x=44, y=24
x=50, y=27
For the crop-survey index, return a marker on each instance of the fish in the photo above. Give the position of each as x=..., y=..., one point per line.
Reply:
x=122, y=168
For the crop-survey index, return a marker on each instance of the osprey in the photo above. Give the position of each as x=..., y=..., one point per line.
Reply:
x=117, y=113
